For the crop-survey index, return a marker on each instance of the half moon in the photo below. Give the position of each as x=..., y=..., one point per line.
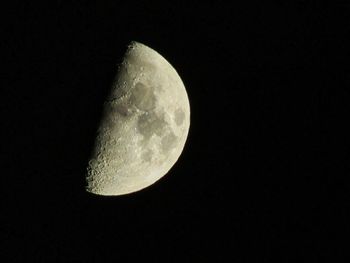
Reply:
x=145, y=124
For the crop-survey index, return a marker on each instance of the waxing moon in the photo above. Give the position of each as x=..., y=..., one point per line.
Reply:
x=144, y=127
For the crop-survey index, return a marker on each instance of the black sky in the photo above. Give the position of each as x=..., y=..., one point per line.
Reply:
x=263, y=173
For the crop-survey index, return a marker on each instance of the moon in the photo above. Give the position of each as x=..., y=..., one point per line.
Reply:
x=144, y=126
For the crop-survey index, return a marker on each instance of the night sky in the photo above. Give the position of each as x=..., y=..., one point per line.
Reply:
x=262, y=177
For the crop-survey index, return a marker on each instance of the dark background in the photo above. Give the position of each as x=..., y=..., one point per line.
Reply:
x=263, y=173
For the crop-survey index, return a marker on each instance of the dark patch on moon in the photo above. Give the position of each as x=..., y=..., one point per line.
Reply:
x=179, y=116
x=147, y=155
x=168, y=142
x=149, y=124
x=124, y=110
x=142, y=97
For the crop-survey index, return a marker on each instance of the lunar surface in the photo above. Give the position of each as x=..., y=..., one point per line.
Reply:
x=144, y=126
